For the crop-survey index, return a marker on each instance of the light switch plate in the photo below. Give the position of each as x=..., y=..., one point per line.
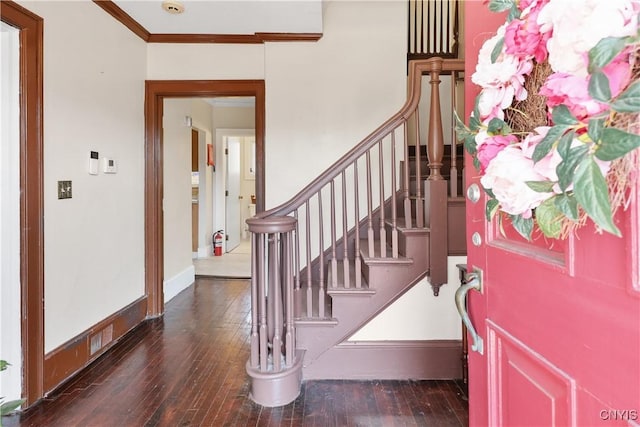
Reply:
x=64, y=189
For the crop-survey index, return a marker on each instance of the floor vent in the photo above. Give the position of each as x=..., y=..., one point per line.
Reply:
x=100, y=339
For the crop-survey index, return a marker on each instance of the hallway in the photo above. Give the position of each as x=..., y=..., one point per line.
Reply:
x=188, y=369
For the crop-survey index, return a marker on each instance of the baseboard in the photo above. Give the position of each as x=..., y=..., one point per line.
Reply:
x=205, y=251
x=66, y=360
x=179, y=282
x=386, y=360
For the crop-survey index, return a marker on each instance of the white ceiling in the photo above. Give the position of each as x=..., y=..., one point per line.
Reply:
x=228, y=17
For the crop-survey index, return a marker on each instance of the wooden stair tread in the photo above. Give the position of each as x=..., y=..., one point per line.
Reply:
x=300, y=298
x=377, y=259
x=401, y=225
x=340, y=289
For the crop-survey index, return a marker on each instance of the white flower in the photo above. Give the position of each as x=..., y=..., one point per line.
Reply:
x=578, y=25
x=506, y=176
x=499, y=73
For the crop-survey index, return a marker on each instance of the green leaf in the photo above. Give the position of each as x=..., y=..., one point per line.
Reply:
x=495, y=125
x=541, y=186
x=544, y=147
x=476, y=163
x=474, y=123
x=599, y=88
x=615, y=143
x=562, y=116
x=10, y=406
x=500, y=5
x=567, y=167
x=491, y=208
x=629, y=100
x=595, y=128
x=497, y=50
x=604, y=51
x=470, y=145
x=4, y=364
x=564, y=146
x=514, y=13
x=523, y=226
x=568, y=205
x=590, y=189
x=548, y=218
x=489, y=192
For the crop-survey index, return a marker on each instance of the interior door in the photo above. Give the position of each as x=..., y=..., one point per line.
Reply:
x=232, y=221
x=560, y=320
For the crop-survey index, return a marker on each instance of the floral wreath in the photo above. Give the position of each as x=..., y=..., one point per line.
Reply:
x=556, y=125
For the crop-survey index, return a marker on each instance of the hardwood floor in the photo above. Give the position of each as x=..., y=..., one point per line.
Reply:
x=188, y=369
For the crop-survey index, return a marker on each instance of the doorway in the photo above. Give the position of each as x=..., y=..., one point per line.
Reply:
x=240, y=188
x=31, y=252
x=156, y=92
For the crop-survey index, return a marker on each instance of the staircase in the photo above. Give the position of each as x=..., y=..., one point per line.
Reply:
x=379, y=220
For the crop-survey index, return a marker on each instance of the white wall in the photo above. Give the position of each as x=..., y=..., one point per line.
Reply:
x=94, y=70
x=324, y=97
x=418, y=315
x=176, y=141
x=10, y=291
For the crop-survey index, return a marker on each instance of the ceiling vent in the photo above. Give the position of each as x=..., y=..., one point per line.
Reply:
x=173, y=6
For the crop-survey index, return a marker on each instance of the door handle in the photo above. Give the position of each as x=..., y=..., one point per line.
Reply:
x=474, y=281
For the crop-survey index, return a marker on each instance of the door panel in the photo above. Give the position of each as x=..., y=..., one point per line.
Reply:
x=516, y=370
x=560, y=319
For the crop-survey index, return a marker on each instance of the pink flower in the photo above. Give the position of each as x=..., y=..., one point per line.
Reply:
x=573, y=91
x=524, y=39
x=490, y=148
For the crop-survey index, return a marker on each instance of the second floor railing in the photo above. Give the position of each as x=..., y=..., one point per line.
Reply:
x=433, y=27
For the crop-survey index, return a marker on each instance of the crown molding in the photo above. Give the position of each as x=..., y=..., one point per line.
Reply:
x=257, y=38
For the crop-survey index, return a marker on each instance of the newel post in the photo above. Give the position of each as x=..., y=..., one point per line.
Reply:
x=435, y=140
x=274, y=366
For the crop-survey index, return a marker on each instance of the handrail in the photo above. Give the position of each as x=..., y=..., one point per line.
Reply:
x=416, y=70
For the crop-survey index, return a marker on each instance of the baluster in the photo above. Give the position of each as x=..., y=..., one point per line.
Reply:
x=308, y=243
x=357, y=257
x=263, y=305
x=407, y=198
x=419, y=202
x=441, y=26
x=428, y=23
x=255, y=341
x=453, y=173
x=334, y=261
x=394, y=207
x=383, y=231
x=274, y=301
x=296, y=267
x=370, y=237
x=422, y=27
x=321, y=257
x=345, y=261
x=435, y=142
x=290, y=334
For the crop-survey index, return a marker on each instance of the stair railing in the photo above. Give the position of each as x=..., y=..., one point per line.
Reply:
x=292, y=267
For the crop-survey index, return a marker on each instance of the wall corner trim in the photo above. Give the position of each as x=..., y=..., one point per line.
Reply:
x=179, y=282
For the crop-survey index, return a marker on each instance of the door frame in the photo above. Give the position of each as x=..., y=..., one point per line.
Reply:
x=31, y=196
x=155, y=93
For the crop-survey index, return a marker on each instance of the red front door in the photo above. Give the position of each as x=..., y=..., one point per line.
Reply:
x=560, y=320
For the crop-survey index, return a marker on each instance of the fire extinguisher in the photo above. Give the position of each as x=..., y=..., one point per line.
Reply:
x=218, y=238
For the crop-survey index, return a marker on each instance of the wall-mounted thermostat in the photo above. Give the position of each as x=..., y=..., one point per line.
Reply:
x=93, y=163
x=109, y=165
